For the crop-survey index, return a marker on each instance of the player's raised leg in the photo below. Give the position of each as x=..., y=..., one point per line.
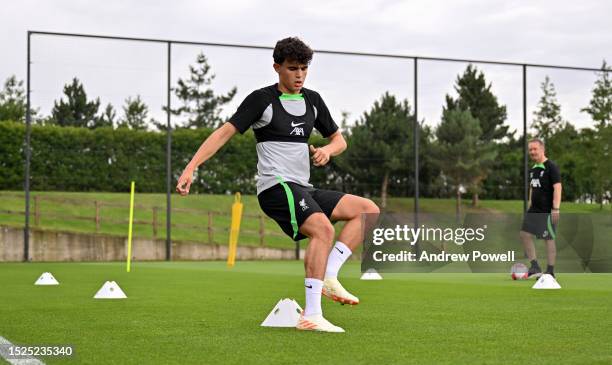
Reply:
x=349, y=209
x=321, y=233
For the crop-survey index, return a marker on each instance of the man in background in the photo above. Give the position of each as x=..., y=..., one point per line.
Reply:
x=543, y=214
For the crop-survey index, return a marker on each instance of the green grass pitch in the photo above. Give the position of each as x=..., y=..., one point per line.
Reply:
x=204, y=313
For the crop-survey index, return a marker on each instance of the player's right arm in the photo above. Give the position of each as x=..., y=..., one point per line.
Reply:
x=249, y=111
x=529, y=200
x=209, y=147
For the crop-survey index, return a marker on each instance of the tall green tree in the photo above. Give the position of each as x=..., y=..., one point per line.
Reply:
x=605, y=135
x=600, y=106
x=135, y=114
x=590, y=177
x=460, y=152
x=600, y=153
x=474, y=94
x=13, y=101
x=505, y=178
x=547, y=116
x=381, y=151
x=565, y=148
x=77, y=110
x=561, y=137
x=199, y=102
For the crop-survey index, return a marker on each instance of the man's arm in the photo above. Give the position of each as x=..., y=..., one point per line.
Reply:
x=208, y=148
x=322, y=155
x=556, y=202
x=555, y=177
x=556, y=196
x=529, y=200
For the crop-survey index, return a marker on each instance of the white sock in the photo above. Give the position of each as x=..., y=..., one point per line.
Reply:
x=339, y=253
x=313, y=296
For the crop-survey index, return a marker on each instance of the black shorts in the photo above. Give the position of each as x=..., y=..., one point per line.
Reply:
x=306, y=201
x=540, y=225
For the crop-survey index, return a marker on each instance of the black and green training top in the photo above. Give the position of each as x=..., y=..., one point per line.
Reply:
x=542, y=177
x=282, y=124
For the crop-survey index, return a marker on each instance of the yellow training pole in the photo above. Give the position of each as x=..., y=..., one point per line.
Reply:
x=129, y=253
x=234, y=230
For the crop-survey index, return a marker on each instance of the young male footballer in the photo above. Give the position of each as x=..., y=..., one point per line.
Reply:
x=282, y=117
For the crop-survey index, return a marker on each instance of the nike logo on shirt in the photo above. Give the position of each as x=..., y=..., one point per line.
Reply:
x=293, y=124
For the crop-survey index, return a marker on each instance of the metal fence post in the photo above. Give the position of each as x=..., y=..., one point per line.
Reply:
x=525, y=155
x=415, y=135
x=26, y=187
x=168, y=160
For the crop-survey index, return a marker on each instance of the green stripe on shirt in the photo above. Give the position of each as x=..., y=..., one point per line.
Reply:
x=285, y=96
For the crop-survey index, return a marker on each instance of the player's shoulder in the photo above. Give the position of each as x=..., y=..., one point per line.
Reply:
x=551, y=164
x=312, y=95
x=266, y=92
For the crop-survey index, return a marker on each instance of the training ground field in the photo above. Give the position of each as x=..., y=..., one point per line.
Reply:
x=204, y=313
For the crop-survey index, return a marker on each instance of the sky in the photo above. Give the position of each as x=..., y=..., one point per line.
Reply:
x=542, y=32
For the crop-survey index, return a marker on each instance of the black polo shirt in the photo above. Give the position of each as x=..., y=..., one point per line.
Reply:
x=542, y=177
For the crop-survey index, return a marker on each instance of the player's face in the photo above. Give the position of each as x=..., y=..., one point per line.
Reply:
x=291, y=76
x=536, y=151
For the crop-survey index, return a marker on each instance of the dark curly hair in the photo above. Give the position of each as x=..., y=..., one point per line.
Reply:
x=292, y=49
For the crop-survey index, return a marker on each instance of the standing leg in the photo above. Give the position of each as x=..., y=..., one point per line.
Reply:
x=551, y=247
x=551, y=256
x=527, y=240
x=321, y=233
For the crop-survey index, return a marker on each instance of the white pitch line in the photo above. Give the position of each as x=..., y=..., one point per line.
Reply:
x=4, y=354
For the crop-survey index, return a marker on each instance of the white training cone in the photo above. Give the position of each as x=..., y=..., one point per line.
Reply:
x=46, y=279
x=110, y=290
x=371, y=274
x=546, y=281
x=286, y=313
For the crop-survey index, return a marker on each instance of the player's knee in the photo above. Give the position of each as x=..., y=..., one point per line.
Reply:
x=318, y=226
x=326, y=232
x=364, y=206
x=371, y=207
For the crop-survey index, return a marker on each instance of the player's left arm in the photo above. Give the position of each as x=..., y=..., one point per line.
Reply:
x=322, y=155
